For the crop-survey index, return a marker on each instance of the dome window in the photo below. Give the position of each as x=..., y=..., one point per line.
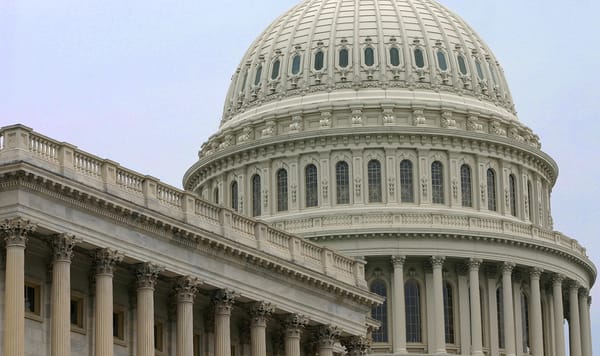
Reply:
x=462, y=65
x=419, y=58
x=395, y=57
x=296, y=64
x=275, y=69
x=258, y=75
x=442, y=63
x=319, y=60
x=479, y=69
x=369, y=57
x=344, y=59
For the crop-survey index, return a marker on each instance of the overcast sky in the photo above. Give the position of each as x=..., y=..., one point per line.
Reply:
x=143, y=82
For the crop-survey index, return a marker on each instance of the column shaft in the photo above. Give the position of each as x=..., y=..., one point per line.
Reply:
x=509, y=316
x=14, y=301
x=292, y=344
x=438, y=293
x=574, y=322
x=186, y=289
x=586, y=331
x=145, y=321
x=60, y=305
x=258, y=340
x=536, y=325
x=293, y=331
x=559, y=317
x=103, y=312
x=398, y=307
x=223, y=302
x=476, y=328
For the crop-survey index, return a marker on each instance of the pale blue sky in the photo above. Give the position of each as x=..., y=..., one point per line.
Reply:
x=143, y=82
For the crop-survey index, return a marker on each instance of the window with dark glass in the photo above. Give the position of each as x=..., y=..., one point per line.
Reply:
x=379, y=312
x=512, y=188
x=159, y=336
x=437, y=183
x=369, y=57
x=119, y=324
x=462, y=64
x=275, y=69
x=296, y=61
x=282, y=190
x=412, y=304
x=258, y=75
x=77, y=312
x=256, y=195
x=216, y=195
x=319, y=60
x=419, y=58
x=33, y=298
x=234, y=196
x=441, y=57
x=342, y=182
x=407, y=192
x=466, y=186
x=479, y=69
x=500, y=316
x=344, y=58
x=311, y=181
x=374, y=181
x=448, y=313
x=491, y=189
x=525, y=322
x=394, y=56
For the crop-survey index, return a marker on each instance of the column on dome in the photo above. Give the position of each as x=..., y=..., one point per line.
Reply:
x=15, y=233
x=359, y=186
x=559, y=315
x=294, y=324
x=491, y=274
x=60, y=295
x=429, y=306
x=535, y=314
x=584, y=316
x=147, y=276
x=574, y=322
x=260, y=313
x=517, y=312
x=327, y=336
x=437, y=263
x=223, y=302
x=356, y=345
x=326, y=195
x=105, y=261
x=476, y=327
x=509, y=316
x=398, y=307
x=462, y=270
x=185, y=289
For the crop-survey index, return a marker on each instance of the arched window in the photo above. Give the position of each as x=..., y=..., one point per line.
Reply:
x=275, y=69
x=282, y=190
x=296, y=61
x=311, y=181
x=395, y=57
x=369, y=56
x=448, y=313
x=512, y=188
x=437, y=183
x=216, y=195
x=500, y=316
x=466, y=186
x=462, y=64
x=412, y=300
x=441, y=57
x=491, y=189
x=342, y=182
x=258, y=75
x=407, y=193
x=525, y=322
x=530, y=199
x=343, y=59
x=256, y=195
x=319, y=60
x=379, y=312
x=374, y=180
x=419, y=58
x=479, y=69
x=234, y=196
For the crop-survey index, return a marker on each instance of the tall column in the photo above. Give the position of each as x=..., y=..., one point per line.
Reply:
x=357, y=345
x=223, y=301
x=584, y=316
x=260, y=312
x=147, y=275
x=15, y=234
x=574, y=322
x=398, y=308
x=476, y=329
x=559, y=315
x=437, y=263
x=491, y=275
x=535, y=315
x=462, y=271
x=105, y=261
x=186, y=288
x=509, y=316
x=60, y=295
x=327, y=337
x=293, y=331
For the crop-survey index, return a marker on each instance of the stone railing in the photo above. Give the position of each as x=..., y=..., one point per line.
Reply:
x=20, y=143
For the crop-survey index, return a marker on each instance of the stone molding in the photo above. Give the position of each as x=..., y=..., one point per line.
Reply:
x=186, y=288
x=147, y=275
x=106, y=259
x=16, y=231
x=62, y=246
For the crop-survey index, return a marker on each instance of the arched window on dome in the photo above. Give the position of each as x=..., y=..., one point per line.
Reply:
x=216, y=195
x=530, y=200
x=500, y=316
x=256, y=195
x=369, y=56
x=344, y=58
x=275, y=69
x=479, y=69
x=342, y=183
x=407, y=192
x=419, y=58
x=442, y=62
x=379, y=312
x=448, y=313
x=319, y=60
x=512, y=194
x=234, y=195
x=437, y=183
x=395, y=56
x=311, y=184
x=491, y=190
x=258, y=75
x=466, y=186
x=374, y=181
x=412, y=303
x=462, y=64
x=525, y=322
x=282, y=190
x=296, y=64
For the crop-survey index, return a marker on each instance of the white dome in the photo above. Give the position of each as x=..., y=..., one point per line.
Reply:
x=396, y=50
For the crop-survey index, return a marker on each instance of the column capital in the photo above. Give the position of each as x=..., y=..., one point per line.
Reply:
x=557, y=279
x=106, y=259
x=147, y=275
x=261, y=311
x=294, y=323
x=474, y=264
x=328, y=335
x=536, y=272
x=16, y=231
x=62, y=246
x=223, y=300
x=437, y=261
x=583, y=292
x=508, y=267
x=186, y=288
x=574, y=285
x=357, y=345
x=398, y=260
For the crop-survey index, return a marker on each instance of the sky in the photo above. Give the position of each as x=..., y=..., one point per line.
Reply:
x=143, y=82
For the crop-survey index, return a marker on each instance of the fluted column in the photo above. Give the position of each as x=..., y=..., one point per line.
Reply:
x=476, y=329
x=574, y=322
x=147, y=275
x=535, y=315
x=509, y=316
x=15, y=233
x=223, y=301
x=437, y=262
x=105, y=261
x=398, y=307
x=260, y=312
x=584, y=316
x=559, y=315
x=60, y=295
x=357, y=345
x=328, y=335
x=294, y=324
x=186, y=288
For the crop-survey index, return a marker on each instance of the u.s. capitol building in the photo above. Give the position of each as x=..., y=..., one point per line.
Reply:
x=370, y=189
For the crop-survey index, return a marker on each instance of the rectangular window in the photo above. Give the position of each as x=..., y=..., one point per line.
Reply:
x=159, y=336
x=77, y=312
x=197, y=344
x=119, y=324
x=33, y=306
